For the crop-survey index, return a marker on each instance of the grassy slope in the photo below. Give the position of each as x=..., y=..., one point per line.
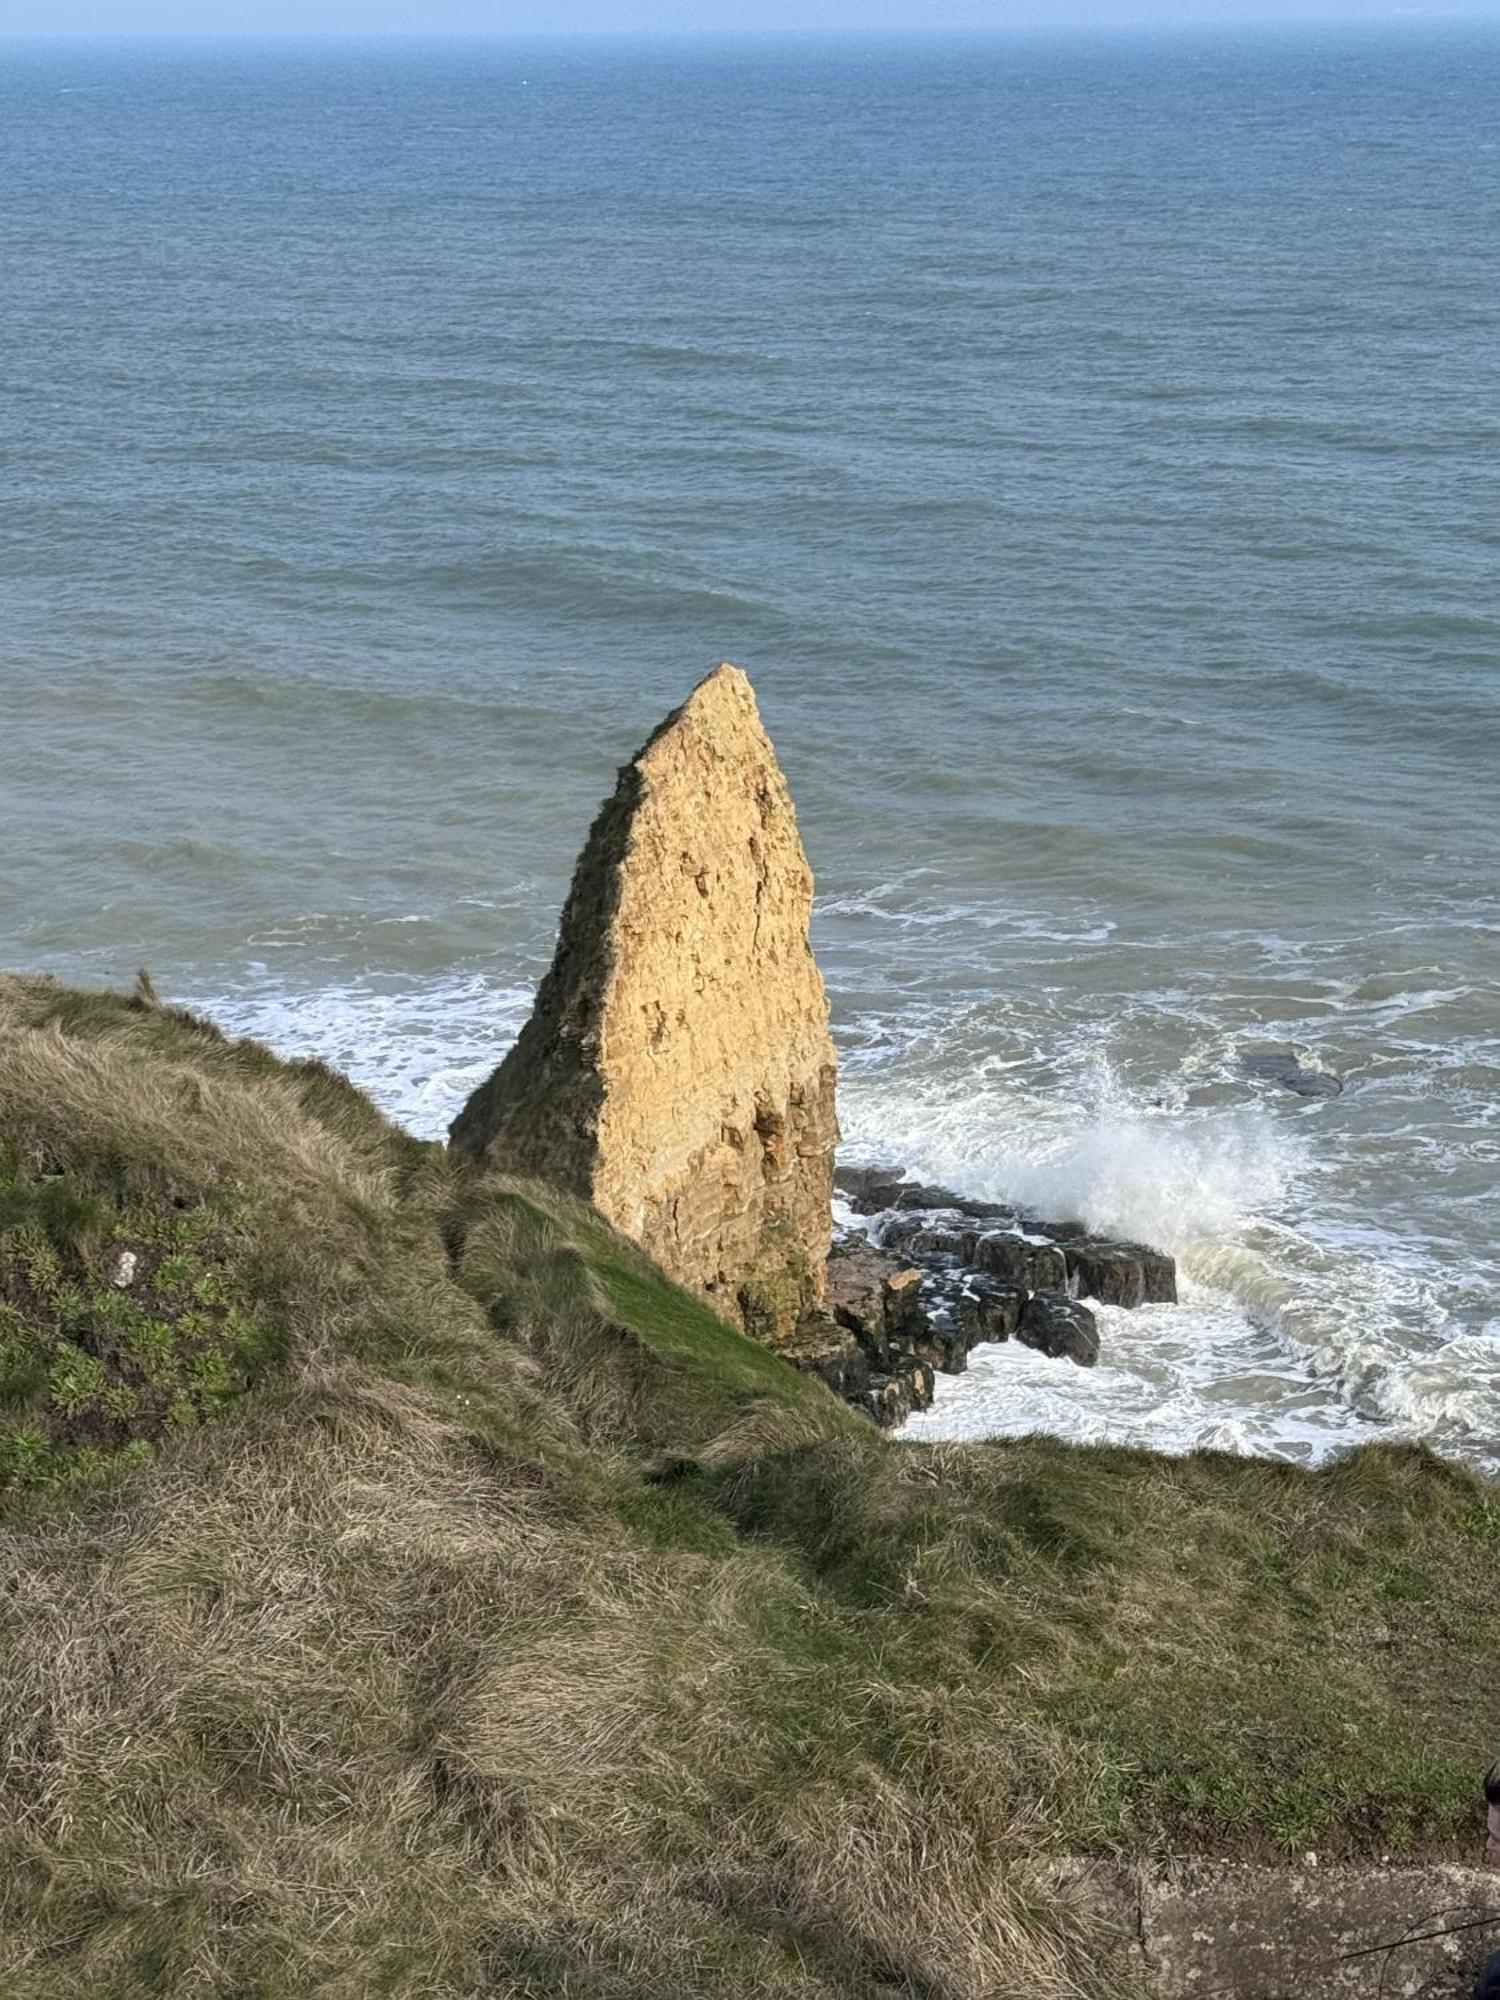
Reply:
x=513, y=1628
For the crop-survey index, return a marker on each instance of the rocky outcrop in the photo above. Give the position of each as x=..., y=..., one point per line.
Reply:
x=677, y=1070
x=990, y=1309
x=934, y=1274
x=1012, y=1243
x=1005, y=1253
x=876, y=1299
x=1054, y=1324
x=1120, y=1274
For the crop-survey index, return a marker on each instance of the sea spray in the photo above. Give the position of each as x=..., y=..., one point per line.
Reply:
x=1184, y=1180
x=1205, y=1182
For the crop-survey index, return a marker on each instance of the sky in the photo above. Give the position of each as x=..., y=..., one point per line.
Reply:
x=505, y=17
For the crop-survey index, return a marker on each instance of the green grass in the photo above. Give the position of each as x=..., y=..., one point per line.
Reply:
x=502, y=1623
x=643, y=1364
x=126, y=1312
x=1242, y=1657
x=172, y=1206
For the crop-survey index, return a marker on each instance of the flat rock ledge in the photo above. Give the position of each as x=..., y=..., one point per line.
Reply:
x=1190, y=1929
x=934, y=1274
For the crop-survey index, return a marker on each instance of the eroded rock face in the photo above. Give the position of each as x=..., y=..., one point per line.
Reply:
x=677, y=1070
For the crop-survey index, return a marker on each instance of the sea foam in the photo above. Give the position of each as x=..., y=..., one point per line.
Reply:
x=1183, y=1180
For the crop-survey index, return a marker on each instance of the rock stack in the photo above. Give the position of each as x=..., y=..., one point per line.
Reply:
x=677, y=1071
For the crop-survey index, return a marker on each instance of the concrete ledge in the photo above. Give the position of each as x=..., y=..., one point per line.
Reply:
x=1217, y=1930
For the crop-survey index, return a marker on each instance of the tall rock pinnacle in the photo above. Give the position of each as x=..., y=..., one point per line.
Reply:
x=677, y=1070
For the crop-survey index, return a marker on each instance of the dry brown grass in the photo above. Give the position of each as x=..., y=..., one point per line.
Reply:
x=526, y=1633
x=336, y=1699
x=411, y=1674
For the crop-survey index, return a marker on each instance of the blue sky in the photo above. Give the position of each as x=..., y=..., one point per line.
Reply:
x=499, y=17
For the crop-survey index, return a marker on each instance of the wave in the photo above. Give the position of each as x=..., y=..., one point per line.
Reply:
x=1181, y=1180
x=418, y=1049
x=1304, y=1325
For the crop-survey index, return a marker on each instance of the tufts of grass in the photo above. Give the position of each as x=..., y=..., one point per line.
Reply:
x=1235, y=1655
x=173, y=1206
x=641, y=1364
x=516, y=1628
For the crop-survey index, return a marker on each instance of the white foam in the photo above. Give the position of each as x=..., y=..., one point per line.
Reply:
x=1306, y=1322
x=419, y=1049
x=1181, y=1180
x=1192, y=1377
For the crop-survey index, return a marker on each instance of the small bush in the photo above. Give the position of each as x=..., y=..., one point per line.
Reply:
x=123, y=1315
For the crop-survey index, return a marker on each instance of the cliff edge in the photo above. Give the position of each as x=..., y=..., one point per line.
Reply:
x=409, y=1589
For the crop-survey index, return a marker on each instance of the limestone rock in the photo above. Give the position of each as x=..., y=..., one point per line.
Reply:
x=820, y=1346
x=877, y=1297
x=857, y=1275
x=677, y=1070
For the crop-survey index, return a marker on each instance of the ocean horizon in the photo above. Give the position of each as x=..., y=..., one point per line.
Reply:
x=1086, y=443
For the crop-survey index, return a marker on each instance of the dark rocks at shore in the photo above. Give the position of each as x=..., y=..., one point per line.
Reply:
x=940, y=1273
x=990, y=1309
x=892, y=1326
x=873, y=1190
x=1057, y=1325
x=876, y=1300
x=1041, y=1267
x=939, y=1243
x=1283, y=1066
x=1107, y=1273
x=923, y=1221
x=886, y=1371
x=921, y=1233
x=873, y=1294
x=1121, y=1274
x=820, y=1346
x=945, y=1344
x=891, y=1399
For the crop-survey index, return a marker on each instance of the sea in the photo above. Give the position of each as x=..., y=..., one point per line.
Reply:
x=1090, y=446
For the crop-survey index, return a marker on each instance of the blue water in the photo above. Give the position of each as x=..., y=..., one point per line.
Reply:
x=1090, y=448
